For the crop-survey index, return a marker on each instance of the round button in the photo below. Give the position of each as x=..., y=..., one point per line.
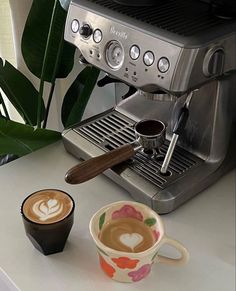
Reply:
x=148, y=58
x=75, y=25
x=134, y=52
x=163, y=65
x=97, y=35
x=85, y=30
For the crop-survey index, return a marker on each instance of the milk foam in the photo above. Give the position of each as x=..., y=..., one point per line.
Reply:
x=47, y=209
x=131, y=240
x=47, y=206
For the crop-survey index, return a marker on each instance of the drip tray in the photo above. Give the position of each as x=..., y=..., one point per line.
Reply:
x=140, y=175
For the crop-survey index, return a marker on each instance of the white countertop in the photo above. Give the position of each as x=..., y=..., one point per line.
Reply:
x=205, y=225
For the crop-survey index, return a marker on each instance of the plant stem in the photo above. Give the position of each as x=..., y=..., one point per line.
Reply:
x=4, y=106
x=48, y=105
x=57, y=63
x=45, y=59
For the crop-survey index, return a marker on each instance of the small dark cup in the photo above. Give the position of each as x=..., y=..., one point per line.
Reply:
x=49, y=238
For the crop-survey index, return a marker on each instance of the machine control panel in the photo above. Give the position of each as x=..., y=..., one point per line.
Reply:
x=121, y=52
x=143, y=58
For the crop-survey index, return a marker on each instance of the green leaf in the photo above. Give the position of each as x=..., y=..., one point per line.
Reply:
x=78, y=95
x=20, y=139
x=150, y=221
x=102, y=251
x=20, y=92
x=102, y=220
x=153, y=258
x=34, y=40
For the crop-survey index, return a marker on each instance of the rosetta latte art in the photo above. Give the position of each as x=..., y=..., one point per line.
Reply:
x=47, y=206
x=47, y=209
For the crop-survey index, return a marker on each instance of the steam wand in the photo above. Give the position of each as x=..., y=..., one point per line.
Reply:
x=178, y=129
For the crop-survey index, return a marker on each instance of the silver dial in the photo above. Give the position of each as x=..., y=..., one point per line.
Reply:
x=134, y=52
x=163, y=65
x=75, y=25
x=148, y=58
x=114, y=54
x=97, y=35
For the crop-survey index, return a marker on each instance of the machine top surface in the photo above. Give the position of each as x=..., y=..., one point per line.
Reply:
x=185, y=21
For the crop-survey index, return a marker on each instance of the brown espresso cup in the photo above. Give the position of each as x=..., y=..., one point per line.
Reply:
x=48, y=216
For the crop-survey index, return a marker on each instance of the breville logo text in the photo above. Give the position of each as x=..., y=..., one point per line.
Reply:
x=118, y=33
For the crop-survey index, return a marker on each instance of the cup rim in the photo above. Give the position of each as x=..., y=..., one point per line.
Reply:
x=108, y=249
x=47, y=224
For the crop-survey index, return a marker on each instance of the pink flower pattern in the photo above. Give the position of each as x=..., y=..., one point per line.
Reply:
x=140, y=273
x=127, y=211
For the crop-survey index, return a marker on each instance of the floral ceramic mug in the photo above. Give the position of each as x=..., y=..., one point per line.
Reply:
x=129, y=266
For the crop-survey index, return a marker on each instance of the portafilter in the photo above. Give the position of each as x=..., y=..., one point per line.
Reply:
x=150, y=135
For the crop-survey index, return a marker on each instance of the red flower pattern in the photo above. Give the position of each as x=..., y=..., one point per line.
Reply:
x=107, y=268
x=125, y=263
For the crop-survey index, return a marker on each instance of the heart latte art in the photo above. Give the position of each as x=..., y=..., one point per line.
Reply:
x=127, y=235
x=131, y=240
x=47, y=206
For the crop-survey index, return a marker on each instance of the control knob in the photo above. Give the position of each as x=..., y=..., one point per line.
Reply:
x=214, y=62
x=85, y=30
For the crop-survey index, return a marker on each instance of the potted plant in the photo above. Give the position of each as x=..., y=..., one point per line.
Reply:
x=49, y=58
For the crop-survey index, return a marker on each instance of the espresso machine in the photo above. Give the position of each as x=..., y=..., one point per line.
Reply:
x=178, y=58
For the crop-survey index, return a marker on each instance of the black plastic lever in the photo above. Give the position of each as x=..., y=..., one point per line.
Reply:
x=181, y=121
x=108, y=80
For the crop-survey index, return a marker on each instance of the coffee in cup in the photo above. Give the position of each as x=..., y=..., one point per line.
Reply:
x=48, y=217
x=128, y=236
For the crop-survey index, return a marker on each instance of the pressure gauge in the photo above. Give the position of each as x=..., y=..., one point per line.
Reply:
x=114, y=54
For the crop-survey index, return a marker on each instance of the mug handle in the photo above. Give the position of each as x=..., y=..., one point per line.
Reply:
x=170, y=261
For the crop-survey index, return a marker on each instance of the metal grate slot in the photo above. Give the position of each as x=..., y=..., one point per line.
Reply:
x=121, y=122
x=90, y=133
x=114, y=130
x=148, y=174
x=113, y=141
x=105, y=127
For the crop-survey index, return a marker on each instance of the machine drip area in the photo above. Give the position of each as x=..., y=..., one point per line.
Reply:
x=188, y=60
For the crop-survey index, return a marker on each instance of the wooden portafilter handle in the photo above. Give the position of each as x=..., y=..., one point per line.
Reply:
x=95, y=166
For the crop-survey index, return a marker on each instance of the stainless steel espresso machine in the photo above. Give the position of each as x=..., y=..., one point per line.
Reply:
x=175, y=55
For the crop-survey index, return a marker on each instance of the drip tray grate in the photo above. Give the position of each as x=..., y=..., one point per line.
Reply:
x=114, y=130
